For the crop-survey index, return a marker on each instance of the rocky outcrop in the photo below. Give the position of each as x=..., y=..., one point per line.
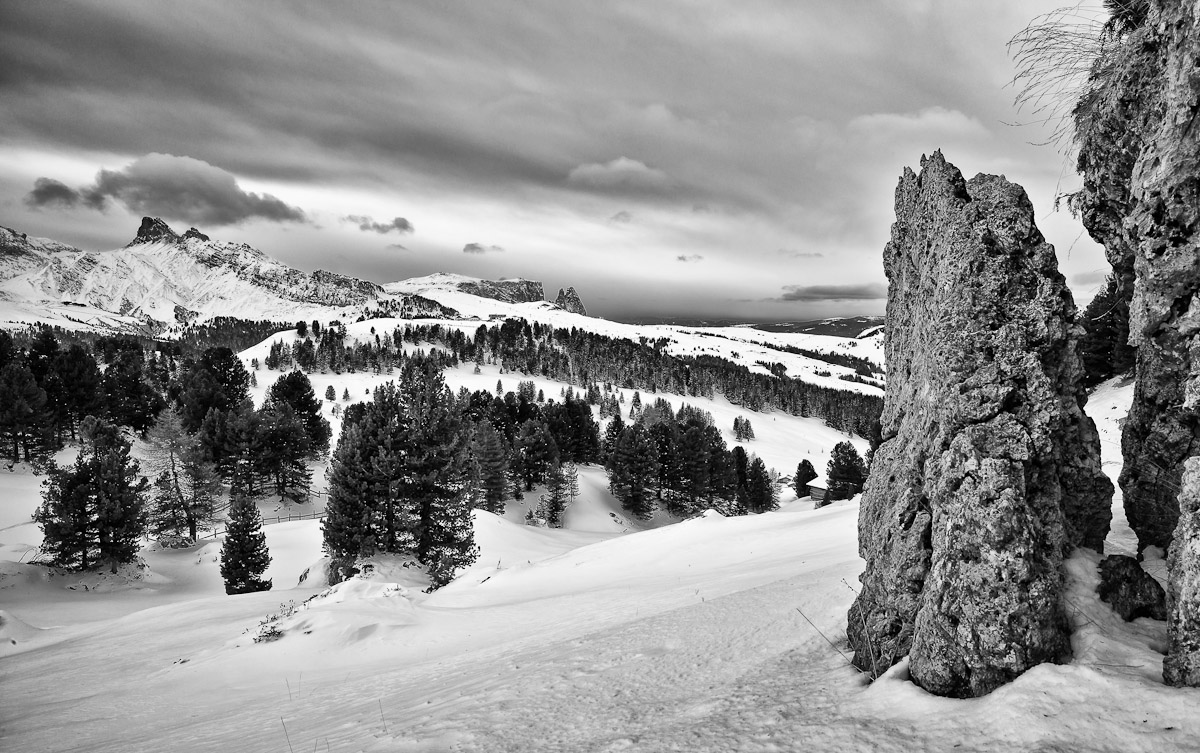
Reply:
x=1138, y=158
x=988, y=472
x=510, y=291
x=568, y=300
x=1130, y=590
x=1182, y=663
x=1153, y=76
x=153, y=230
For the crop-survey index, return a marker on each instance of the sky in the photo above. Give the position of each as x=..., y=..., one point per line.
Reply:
x=677, y=158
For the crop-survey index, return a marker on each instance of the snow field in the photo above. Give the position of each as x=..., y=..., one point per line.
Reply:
x=712, y=634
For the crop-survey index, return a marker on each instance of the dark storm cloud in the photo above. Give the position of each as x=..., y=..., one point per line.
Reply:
x=688, y=258
x=183, y=188
x=864, y=292
x=479, y=248
x=368, y=224
x=48, y=192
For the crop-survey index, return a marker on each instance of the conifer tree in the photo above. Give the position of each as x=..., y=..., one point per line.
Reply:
x=282, y=445
x=846, y=472
x=534, y=453
x=94, y=511
x=330, y=393
x=558, y=494
x=244, y=555
x=489, y=452
x=346, y=393
x=804, y=474
x=612, y=434
x=23, y=418
x=295, y=389
x=128, y=399
x=633, y=471
x=761, y=494
x=187, y=486
x=80, y=377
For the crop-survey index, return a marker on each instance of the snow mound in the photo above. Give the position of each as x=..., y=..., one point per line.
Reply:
x=375, y=603
x=13, y=632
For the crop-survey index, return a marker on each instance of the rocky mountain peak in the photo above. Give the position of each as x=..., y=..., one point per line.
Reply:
x=154, y=230
x=568, y=300
x=194, y=233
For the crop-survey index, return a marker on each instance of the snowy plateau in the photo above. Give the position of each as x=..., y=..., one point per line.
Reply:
x=609, y=634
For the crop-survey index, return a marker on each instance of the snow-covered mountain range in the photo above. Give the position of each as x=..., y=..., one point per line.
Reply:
x=163, y=278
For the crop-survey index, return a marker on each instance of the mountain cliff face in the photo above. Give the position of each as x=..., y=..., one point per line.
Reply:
x=988, y=471
x=568, y=300
x=509, y=291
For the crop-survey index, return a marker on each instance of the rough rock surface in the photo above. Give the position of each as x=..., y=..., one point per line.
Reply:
x=1130, y=590
x=1141, y=200
x=1182, y=663
x=153, y=230
x=510, y=291
x=989, y=471
x=568, y=300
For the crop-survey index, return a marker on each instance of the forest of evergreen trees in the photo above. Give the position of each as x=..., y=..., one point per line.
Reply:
x=410, y=463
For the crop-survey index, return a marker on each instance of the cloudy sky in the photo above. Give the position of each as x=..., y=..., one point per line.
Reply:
x=670, y=158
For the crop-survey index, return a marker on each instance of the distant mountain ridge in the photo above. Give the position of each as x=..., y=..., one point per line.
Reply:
x=163, y=278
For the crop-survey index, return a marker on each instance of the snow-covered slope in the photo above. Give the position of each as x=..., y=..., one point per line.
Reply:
x=713, y=634
x=165, y=278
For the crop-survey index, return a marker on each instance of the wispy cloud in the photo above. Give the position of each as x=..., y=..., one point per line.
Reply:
x=369, y=225
x=619, y=174
x=688, y=258
x=864, y=292
x=479, y=248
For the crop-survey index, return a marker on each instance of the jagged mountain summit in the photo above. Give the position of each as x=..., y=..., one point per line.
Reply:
x=163, y=278
x=568, y=300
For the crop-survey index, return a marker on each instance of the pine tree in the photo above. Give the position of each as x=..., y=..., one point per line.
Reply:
x=80, y=376
x=94, y=511
x=65, y=516
x=128, y=399
x=633, y=471
x=489, y=452
x=846, y=472
x=450, y=543
x=330, y=393
x=187, y=486
x=295, y=389
x=534, y=453
x=283, y=444
x=612, y=434
x=244, y=555
x=804, y=474
x=695, y=459
x=119, y=492
x=761, y=494
x=23, y=417
x=558, y=494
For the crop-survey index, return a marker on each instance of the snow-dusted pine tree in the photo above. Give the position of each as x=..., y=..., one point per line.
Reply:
x=244, y=556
